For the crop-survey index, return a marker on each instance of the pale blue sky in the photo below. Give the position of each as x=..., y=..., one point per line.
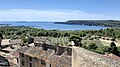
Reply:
x=58, y=10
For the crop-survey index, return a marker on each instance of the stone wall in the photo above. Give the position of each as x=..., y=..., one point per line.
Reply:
x=84, y=58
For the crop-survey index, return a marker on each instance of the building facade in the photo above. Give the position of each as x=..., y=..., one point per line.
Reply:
x=45, y=56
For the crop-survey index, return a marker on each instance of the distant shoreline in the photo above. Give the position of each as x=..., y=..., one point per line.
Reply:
x=4, y=24
x=53, y=25
x=103, y=23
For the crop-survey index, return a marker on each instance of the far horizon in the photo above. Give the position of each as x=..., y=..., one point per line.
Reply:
x=55, y=21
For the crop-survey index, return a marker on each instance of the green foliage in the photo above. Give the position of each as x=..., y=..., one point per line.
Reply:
x=23, y=39
x=17, y=31
x=59, y=41
x=30, y=40
x=113, y=49
x=1, y=36
x=84, y=46
x=112, y=44
x=119, y=48
x=92, y=46
x=76, y=39
x=108, y=23
x=113, y=39
x=102, y=49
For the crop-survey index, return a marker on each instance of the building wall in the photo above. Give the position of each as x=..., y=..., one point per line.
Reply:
x=35, y=62
x=84, y=58
x=22, y=60
x=75, y=62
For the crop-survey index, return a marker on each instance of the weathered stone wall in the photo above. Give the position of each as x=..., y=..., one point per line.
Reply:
x=84, y=58
x=69, y=51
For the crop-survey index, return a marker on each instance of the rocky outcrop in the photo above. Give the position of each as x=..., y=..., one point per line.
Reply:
x=84, y=58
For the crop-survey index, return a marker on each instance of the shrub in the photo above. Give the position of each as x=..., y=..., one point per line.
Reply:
x=119, y=48
x=112, y=44
x=113, y=49
x=23, y=38
x=102, y=49
x=30, y=40
x=76, y=39
x=92, y=46
x=1, y=36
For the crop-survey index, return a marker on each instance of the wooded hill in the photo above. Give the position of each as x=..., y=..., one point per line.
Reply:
x=107, y=23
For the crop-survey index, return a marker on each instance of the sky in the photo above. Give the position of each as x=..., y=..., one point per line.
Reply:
x=59, y=10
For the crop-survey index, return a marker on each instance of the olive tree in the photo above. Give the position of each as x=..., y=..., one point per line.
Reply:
x=76, y=39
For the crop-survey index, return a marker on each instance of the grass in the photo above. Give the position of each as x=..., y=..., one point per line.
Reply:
x=88, y=42
x=105, y=43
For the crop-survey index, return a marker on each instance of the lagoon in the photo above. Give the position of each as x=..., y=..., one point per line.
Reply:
x=51, y=26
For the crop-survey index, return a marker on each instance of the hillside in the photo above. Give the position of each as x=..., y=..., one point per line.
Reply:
x=107, y=23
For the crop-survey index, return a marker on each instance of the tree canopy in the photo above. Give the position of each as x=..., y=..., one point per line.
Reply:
x=76, y=39
x=1, y=36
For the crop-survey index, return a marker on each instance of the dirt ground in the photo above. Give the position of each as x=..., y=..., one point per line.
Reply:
x=107, y=42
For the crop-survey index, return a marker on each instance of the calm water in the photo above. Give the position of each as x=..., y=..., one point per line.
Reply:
x=51, y=26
